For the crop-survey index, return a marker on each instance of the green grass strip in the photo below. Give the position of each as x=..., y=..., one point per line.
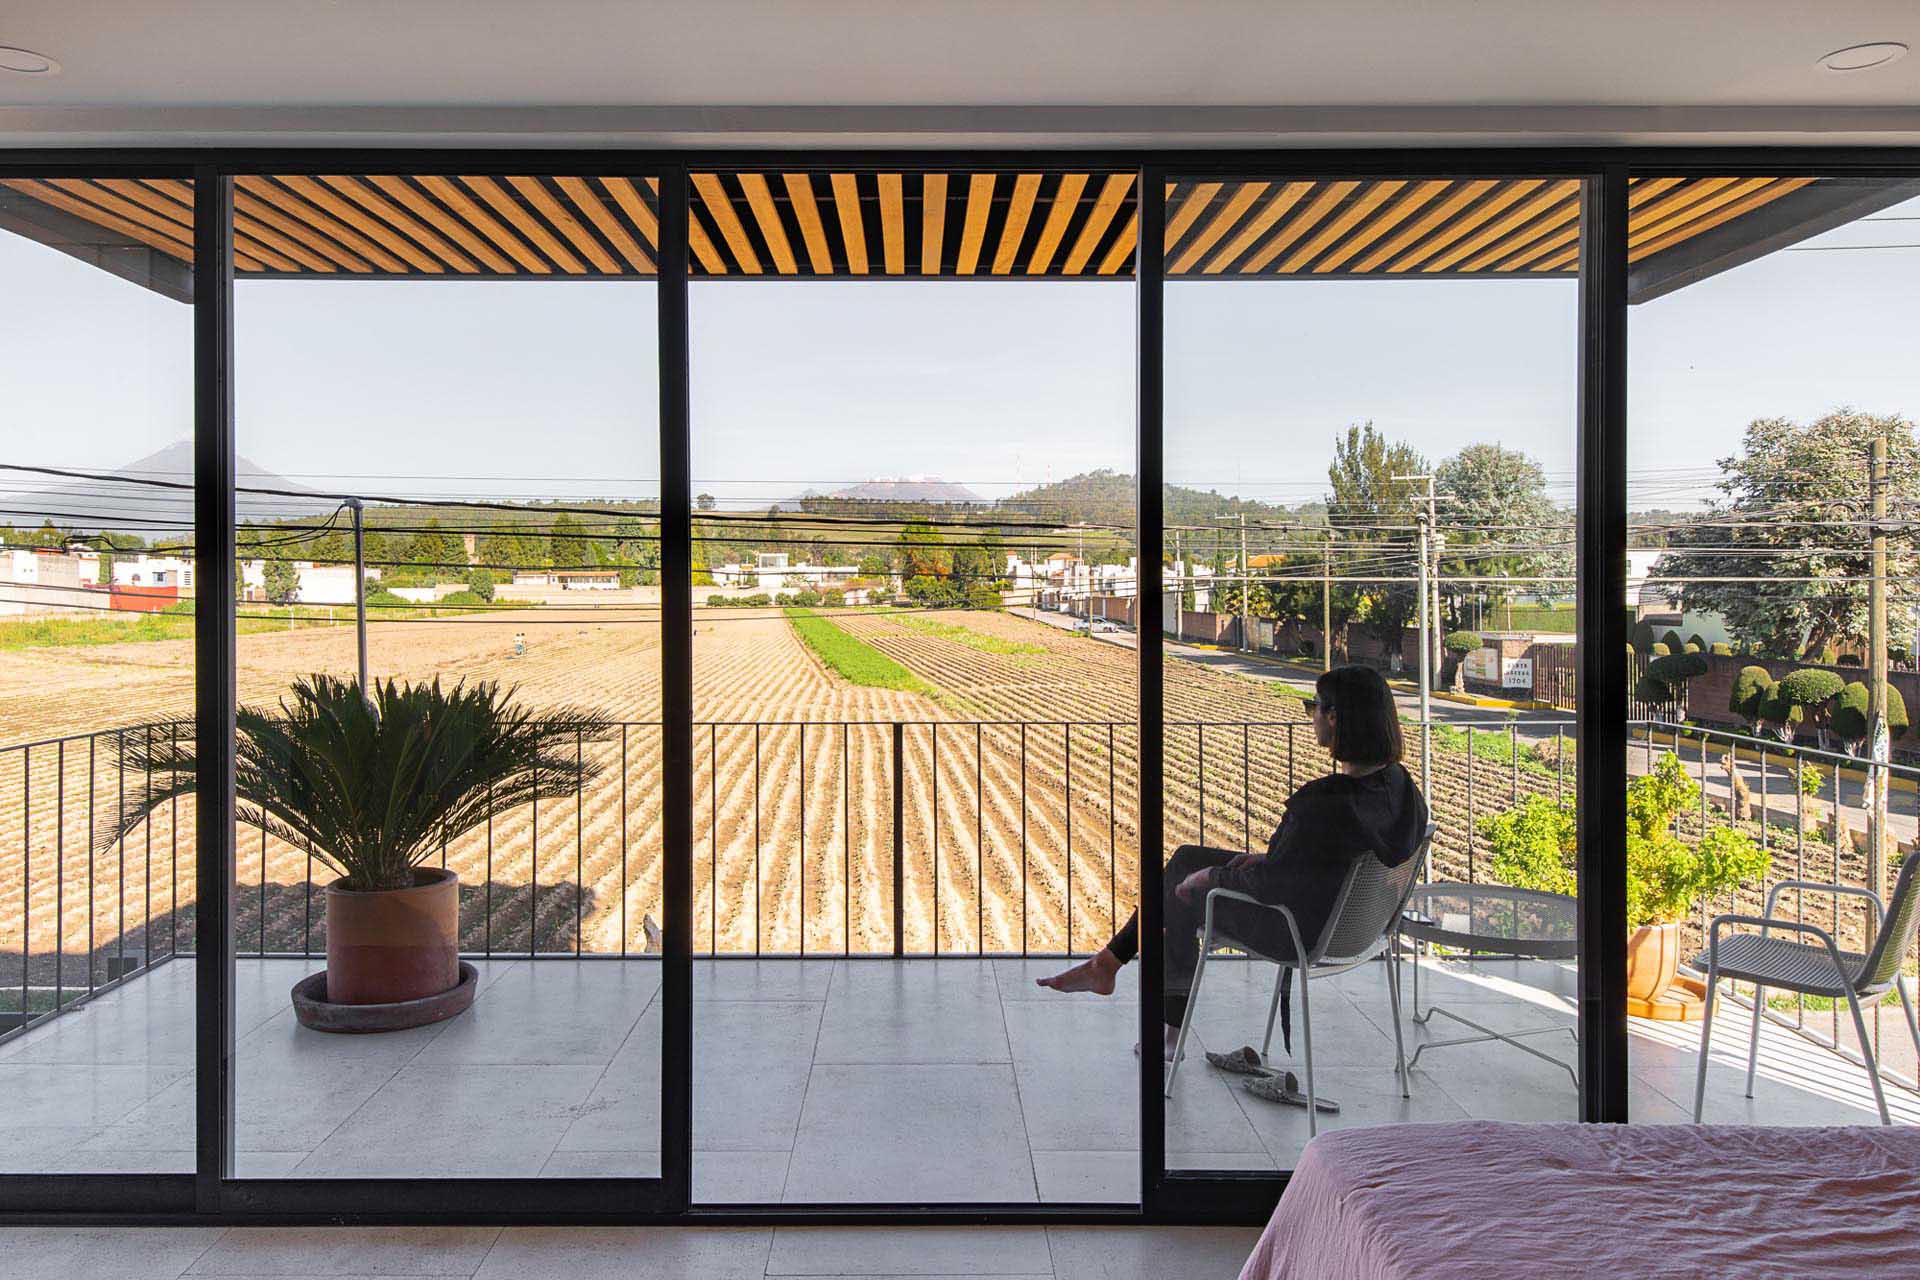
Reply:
x=969, y=637
x=854, y=659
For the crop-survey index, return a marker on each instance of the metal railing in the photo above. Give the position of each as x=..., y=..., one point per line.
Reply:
x=901, y=838
x=55, y=796
x=1810, y=830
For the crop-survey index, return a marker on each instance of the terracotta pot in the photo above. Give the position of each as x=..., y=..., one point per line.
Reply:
x=1653, y=955
x=391, y=945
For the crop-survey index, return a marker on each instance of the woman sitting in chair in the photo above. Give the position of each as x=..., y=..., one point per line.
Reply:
x=1368, y=805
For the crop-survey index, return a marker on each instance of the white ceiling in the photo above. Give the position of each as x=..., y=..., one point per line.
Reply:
x=956, y=72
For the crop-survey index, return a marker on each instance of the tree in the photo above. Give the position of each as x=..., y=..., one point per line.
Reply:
x=434, y=549
x=1850, y=723
x=281, y=581
x=568, y=549
x=981, y=595
x=1749, y=695
x=875, y=565
x=1458, y=644
x=481, y=582
x=1811, y=691
x=704, y=502
x=1665, y=682
x=1786, y=477
x=1373, y=513
x=922, y=553
x=1500, y=509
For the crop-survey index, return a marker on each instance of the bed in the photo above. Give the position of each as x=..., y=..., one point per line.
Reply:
x=1481, y=1199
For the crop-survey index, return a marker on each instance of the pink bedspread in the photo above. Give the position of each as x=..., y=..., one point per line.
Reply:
x=1480, y=1199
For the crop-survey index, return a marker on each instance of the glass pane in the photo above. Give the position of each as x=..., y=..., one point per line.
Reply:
x=471, y=360
x=1371, y=392
x=915, y=748
x=1769, y=325
x=96, y=676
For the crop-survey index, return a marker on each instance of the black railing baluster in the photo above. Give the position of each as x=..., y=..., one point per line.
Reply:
x=486, y=927
x=1023, y=838
x=756, y=840
x=173, y=838
x=1246, y=791
x=803, y=838
x=1470, y=818
x=713, y=839
x=93, y=888
x=26, y=879
x=979, y=844
x=934, y=729
x=533, y=879
x=1200, y=738
x=1066, y=732
x=579, y=840
x=846, y=841
x=899, y=838
x=120, y=849
x=623, y=840
x=306, y=919
x=261, y=923
x=1113, y=839
x=60, y=877
x=146, y=877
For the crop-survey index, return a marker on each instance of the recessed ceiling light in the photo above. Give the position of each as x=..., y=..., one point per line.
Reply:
x=26, y=62
x=1862, y=57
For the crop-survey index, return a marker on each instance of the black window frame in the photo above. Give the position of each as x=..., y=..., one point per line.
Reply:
x=210, y=1196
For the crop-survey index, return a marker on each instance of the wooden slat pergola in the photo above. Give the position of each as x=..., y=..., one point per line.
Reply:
x=978, y=225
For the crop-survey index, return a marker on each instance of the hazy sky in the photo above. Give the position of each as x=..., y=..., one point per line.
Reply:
x=517, y=389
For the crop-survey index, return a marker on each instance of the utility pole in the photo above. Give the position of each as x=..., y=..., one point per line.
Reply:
x=1429, y=624
x=1326, y=603
x=1179, y=589
x=1246, y=573
x=360, y=592
x=1877, y=731
x=1426, y=667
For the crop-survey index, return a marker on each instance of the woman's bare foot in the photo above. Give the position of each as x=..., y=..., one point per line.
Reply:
x=1096, y=975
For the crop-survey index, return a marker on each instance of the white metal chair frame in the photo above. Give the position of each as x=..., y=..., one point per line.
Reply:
x=1314, y=963
x=1867, y=976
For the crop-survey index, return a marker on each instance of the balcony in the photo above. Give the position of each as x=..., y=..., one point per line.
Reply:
x=822, y=1080
x=870, y=1069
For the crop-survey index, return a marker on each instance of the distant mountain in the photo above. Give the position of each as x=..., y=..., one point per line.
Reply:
x=142, y=498
x=1107, y=497
x=911, y=490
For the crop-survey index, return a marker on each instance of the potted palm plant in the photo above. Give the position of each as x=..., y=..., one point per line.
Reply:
x=372, y=786
x=1534, y=846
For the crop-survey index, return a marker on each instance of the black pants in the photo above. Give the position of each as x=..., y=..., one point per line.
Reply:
x=1262, y=930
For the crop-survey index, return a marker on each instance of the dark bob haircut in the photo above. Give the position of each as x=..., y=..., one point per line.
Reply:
x=1366, y=724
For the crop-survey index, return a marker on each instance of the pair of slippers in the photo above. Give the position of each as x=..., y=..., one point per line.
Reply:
x=1268, y=1084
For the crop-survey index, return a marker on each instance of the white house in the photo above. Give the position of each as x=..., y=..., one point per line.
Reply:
x=153, y=571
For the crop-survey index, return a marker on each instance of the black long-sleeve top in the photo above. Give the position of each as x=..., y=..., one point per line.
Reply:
x=1328, y=823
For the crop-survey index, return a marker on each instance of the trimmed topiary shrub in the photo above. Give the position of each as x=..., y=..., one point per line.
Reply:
x=1750, y=688
x=1850, y=715
x=1721, y=649
x=1812, y=690
x=1461, y=642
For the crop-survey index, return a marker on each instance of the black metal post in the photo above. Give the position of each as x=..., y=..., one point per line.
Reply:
x=1150, y=646
x=1601, y=555
x=215, y=692
x=899, y=838
x=676, y=690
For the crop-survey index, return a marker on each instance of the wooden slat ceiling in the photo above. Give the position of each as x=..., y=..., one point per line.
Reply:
x=847, y=225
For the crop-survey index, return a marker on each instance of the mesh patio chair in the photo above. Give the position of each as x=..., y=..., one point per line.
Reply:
x=1815, y=970
x=1361, y=926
